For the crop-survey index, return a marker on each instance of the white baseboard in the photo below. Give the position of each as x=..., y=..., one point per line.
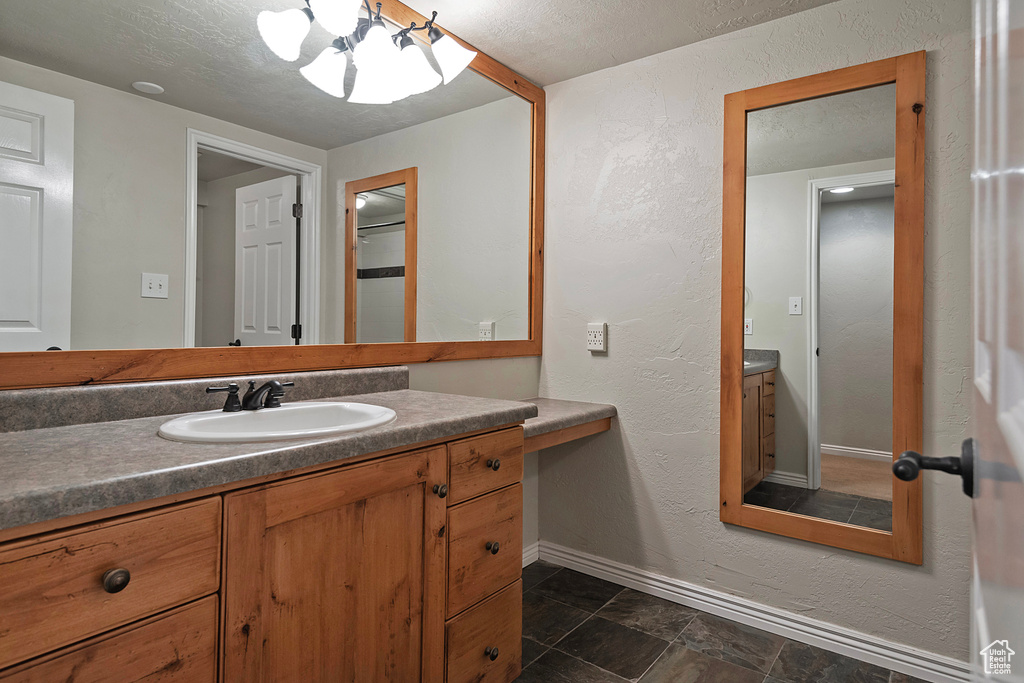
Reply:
x=531, y=553
x=862, y=453
x=787, y=478
x=920, y=663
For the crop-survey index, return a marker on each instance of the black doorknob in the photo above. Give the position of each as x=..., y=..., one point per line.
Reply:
x=116, y=580
x=493, y=546
x=441, y=490
x=910, y=464
x=492, y=653
x=494, y=464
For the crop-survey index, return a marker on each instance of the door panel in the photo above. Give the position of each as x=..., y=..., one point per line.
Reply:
x=36, y=190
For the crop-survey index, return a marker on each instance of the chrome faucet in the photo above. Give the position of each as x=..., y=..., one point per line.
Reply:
x=267, y=396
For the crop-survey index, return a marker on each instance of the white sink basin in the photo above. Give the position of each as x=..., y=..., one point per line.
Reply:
x=292, y=421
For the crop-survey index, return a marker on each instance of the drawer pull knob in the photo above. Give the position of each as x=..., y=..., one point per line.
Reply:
x=771, y=384
x=493, y=546
x=492, y=653
x=494, y=464
x=116, y=580
x=771, y=414
x=441, y=490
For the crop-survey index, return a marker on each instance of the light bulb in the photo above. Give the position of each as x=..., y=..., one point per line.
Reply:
x=283, y=32
x=327, y=71
x=336, y=16
x=841, y=190
x=414, y=71
x=360, y=201
x=450, y=56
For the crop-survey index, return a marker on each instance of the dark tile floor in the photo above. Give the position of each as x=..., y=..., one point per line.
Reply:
x=578, y=629
x=838, y=507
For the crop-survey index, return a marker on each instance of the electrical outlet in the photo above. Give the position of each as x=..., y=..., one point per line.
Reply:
x=597, y=334
x=486, y=331
x=748, y=326
x=796, y=305
x=154, y=286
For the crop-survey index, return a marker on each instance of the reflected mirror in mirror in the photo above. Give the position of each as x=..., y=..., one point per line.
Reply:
x=381, y=265
x=818, y=308
x=130, y=261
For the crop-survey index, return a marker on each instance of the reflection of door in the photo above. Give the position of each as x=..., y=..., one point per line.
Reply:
x=36, y=189
x=998, y=591
x=265, y=262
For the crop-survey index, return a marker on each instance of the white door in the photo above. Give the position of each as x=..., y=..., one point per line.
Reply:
x=265, y=262
x=37, y=145
x=998, y=589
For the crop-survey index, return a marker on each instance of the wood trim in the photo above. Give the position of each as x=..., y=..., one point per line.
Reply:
x=904, y=543
x=23, y=370
x=409, y=178
x=560, y=436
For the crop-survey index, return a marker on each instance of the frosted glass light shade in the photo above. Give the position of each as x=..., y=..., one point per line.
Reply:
x=327, y=71
x=283, y=32
x=372, y=86
x=376, y=49
x=337, y=16
x=375, y=58
x=415, y=73
x=451, y=57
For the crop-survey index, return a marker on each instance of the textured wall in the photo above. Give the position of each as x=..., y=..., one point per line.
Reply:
x=855, y=326
x=634, y=237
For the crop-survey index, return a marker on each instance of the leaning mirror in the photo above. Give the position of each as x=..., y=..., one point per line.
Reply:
x=821, y=389
x=183, y=210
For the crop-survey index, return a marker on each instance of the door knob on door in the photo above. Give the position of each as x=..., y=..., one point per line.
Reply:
x=910, y=463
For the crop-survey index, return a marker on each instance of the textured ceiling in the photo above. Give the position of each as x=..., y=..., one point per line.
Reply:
x=840, y=129
x=214, y=166
x=210, y=59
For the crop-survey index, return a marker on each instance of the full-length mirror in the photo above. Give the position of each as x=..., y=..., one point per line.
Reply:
x=822, y=306
x=194, y=190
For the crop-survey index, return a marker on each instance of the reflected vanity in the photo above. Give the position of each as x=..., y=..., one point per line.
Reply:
x=822, y=306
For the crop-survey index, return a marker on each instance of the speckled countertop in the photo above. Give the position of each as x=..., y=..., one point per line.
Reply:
x=60, y=471
x=761, y=360
x=558, y=414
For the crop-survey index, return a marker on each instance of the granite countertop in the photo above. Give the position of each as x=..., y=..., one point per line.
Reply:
x=761, y=360
x=60, y=471
x=554, y=414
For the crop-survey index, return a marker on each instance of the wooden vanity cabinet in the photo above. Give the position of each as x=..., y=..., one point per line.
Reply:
x=758, y=427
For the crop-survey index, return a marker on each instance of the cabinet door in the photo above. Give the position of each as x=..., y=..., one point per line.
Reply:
x=751, y=432
x=338, y=576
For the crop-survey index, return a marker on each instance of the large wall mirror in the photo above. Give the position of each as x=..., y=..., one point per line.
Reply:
x=822, y=306
x=209, y=229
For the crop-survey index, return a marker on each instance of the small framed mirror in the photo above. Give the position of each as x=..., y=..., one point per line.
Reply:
x=822, y=306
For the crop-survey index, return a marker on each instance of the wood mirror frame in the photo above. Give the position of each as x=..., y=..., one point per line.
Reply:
x=20, y=370
x=904, y=542
x=409, y=178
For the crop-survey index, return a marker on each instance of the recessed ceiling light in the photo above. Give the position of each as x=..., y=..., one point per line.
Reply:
x=148, y=88
x=841, y=190
x=360, y=201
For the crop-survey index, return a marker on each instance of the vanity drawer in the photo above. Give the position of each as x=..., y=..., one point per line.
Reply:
x=484, y=463
x=494, y=623
x=474, y=571
x=768, y=415
x=180, y=646
x=768, y=380
x=53, y=585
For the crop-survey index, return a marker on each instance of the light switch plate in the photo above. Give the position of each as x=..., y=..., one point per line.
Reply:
x=154, y=286
x=597, y=334
x=748, y=326
x=487, y=331
x=796, y=305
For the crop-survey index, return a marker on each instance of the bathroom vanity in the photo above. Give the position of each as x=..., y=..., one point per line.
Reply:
x=758, y=426
x=389, y=554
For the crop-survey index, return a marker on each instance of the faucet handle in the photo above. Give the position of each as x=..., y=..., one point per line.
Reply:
x=273, y=399
x=232, y=404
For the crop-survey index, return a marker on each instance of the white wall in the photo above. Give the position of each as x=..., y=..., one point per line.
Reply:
x=129, y=208
x=634, y=173
x=472, y=224
x=776, y=268
x=855, y=324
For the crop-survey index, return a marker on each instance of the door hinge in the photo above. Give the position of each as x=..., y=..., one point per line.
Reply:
x=296, y=210
x=296, y=331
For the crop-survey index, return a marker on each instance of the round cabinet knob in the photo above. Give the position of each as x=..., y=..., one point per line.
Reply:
x=116, y=580
x=492, y=653
x=441, y=490
x=494, y=464
x=493, y=546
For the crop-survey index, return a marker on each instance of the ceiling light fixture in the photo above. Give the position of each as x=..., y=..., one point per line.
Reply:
x=148, y=88
x=388, y=67
x=841, y=190
x=360, y=201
